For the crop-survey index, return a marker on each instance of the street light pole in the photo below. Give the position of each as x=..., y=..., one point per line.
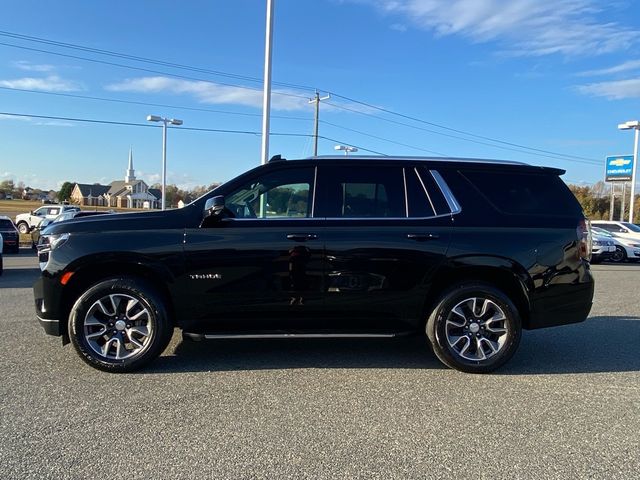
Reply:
x=632, y=125
x=165, y=121
x=266, y=93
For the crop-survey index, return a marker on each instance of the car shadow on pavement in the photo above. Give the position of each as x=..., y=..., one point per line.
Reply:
x=599, y=345
x=267, y=354
x=19, y=277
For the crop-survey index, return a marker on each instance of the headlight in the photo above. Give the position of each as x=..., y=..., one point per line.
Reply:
x=597, y=242
x=50, y=242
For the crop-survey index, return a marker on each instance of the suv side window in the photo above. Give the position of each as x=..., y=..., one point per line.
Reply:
x=285, y=193
x=364, y=192
x=520, y=193
x=53, y=211
x=41, y=212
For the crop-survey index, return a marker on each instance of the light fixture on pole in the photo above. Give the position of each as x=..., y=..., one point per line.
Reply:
x=347, y=149
x=165, y=121
x=632, y=125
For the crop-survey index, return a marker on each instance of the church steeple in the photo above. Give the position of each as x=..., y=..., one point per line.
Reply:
x=130, y=176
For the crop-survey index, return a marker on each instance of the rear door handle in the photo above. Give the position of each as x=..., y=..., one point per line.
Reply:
x=421, y=237
x=302, y=237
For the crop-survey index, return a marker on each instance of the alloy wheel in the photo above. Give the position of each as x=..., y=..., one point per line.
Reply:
x=118, y=327
x=476, y=329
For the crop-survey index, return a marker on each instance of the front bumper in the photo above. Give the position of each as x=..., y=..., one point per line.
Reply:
x=46, y=308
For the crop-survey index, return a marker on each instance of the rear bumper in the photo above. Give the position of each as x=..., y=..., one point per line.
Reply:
x=562, y=305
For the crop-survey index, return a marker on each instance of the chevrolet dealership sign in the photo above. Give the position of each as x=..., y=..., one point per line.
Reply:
x=619, y=168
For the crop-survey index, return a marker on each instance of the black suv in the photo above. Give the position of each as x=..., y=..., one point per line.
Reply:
x=468, y=251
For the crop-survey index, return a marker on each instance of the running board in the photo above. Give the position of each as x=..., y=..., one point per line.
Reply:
x=254, y=335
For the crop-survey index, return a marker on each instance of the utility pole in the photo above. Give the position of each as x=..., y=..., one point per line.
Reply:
x=317, y=99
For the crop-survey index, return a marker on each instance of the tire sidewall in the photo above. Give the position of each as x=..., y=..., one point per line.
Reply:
x=436, y=327
x=134, y=287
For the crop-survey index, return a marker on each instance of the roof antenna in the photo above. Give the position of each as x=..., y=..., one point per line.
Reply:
x=277, y=158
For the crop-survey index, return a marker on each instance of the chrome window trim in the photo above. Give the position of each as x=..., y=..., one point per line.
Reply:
x=315, y=186
x=297, y=219
x=425, y=191
x=454, y=206
x=406, y=193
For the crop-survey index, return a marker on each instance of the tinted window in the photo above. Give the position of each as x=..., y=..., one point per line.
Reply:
x=609, y=227
x=364, y=192
x=279, y=194
x=524, y=193
x=631, y=226
x=6, y=225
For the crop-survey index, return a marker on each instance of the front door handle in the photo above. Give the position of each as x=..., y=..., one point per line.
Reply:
x=302, y=237
x=421, y=237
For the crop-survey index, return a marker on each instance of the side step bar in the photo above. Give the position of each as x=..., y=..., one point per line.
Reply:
x=255, y=335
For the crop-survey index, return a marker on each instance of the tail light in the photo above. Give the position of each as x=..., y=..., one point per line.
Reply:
x=585, y=240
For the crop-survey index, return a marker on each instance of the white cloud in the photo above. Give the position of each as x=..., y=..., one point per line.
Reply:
x=32, y=67
x=623, y=67
x=211, y=93
x=613, y=90
x=15, y=117
x=523, y=27
x=52, y=83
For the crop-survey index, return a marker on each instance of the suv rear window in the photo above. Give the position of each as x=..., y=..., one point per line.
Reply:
x=519, y=193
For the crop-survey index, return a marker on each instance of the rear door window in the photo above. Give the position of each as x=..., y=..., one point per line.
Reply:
x=363, y=192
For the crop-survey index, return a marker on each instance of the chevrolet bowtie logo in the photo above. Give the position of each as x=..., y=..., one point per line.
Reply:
x=620, y=162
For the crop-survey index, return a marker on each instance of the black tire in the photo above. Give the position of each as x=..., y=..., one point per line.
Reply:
x=620, y=255
x=23, y=227
x=154, y=318
x=442, y=328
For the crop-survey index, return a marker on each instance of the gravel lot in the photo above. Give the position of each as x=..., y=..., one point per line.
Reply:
x=566, y=406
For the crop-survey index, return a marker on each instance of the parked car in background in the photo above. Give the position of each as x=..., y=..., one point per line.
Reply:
x=603, y=247
x=625, y=248
x=620, y=229
x=25, y=222
x=10, y=236
x=464, y=252
x=68, y=215
x=1, y=262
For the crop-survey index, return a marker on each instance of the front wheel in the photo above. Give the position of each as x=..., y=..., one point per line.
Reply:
x=23, y=227
x=120, y=325
x=474, y=328
x=620, y=255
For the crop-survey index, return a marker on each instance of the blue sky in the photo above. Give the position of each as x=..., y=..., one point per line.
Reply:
x=551, y=75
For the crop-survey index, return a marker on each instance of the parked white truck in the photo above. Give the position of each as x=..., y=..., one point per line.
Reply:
x=28, y=221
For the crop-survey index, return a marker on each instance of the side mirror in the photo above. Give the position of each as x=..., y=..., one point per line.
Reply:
x=214, y=206
x=31, y=212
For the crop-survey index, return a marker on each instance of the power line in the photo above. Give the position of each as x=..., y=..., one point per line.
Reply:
x=383, y=139
x=157, y=72
x=195, y=129
x=457, y=137
x=444, y=127
x=144, y=59
x=540, y=152
x=134, y=102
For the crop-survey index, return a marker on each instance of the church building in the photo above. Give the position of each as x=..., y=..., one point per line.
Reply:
x=130, y=193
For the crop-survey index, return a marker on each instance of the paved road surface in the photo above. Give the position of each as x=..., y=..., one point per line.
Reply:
x=566, y=406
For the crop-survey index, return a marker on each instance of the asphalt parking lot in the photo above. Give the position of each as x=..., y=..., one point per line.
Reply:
x=566, y=406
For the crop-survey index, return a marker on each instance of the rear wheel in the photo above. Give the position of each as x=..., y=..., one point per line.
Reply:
x=620, y=255
x=120, y=325
x=474, y=328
